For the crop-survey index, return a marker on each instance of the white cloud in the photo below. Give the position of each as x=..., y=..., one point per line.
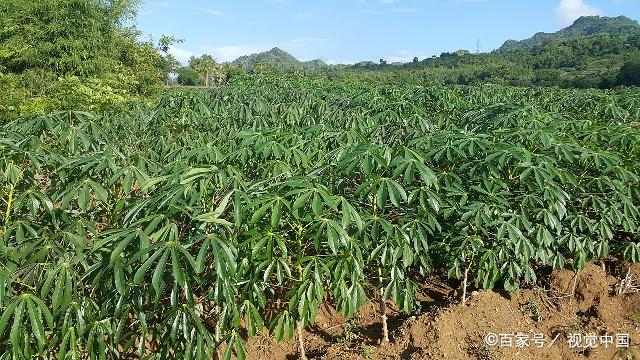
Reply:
x=404, y=56
x=220, y=53
x=180, y=54
x=211, y=12
x=404, y=10
x=570, y=10
x=388, y=1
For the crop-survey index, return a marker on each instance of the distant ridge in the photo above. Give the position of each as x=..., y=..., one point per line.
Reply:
x=279, y=59
x=584, y=26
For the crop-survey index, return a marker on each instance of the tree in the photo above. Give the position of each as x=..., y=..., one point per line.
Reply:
x=188, y=77
x=205, y=65
x=76, y=37
x=415, y=60
x=165, y=43
x=629, y=74
x=169, y=63
x=73, y=54
x=170, y=66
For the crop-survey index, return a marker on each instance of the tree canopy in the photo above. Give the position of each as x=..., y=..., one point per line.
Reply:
x=629, y=73
x=77, y=37
x=58, y=54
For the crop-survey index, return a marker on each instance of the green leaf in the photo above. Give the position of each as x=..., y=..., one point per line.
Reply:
x=100, y=192
x=6, y=314
x=137, y=278
x=178, y=273
x=259, y=213
x=36, y=323
x=153, y=181
x=158, y=273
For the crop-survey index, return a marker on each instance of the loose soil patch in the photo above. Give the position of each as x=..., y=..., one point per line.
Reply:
x=601, y=299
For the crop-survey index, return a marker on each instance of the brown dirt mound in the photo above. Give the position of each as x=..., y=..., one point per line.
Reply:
x=596, y=307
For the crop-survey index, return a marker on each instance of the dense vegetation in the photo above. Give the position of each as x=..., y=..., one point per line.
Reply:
x=74, y=54
x=175, y=226
x=278, y=59
x=582, y=27
x=588, y=54
x=85, y=54
x=175, y=230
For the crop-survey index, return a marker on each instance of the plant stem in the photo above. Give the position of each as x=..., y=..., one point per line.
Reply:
x=575, y=285
x=383, y=311
x=464, y=286
x=303, y=355
x=217, y=333
x=300, y=250
x=7, y=214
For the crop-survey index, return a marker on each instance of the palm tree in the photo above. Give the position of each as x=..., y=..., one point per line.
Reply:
x=204, y=65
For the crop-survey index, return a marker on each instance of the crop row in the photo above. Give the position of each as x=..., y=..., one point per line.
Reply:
x=176, y=230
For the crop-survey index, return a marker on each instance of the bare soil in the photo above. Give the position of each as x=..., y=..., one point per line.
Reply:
x=602, y=299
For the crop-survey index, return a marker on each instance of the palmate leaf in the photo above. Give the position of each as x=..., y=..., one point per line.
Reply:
x=283, y=326
x=413, y=164
x=96, y=340
x=255, y=324
x=38, y=316
x=337, y=189
x=235, y=343
x=64, y=282
x=350, y=215
x=317, y=196
x=383, y=189
x=632, y=252
x=35, y=202
x=275, y=204
x=214, y=216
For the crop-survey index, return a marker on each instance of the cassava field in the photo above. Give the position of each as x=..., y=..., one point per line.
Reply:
x=192, y=226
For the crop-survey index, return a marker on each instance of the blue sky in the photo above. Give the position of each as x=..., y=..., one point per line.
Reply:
x=347, y=31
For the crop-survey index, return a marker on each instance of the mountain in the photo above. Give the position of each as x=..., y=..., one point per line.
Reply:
x=593, y=52
x=584, y=26
x=279, y=59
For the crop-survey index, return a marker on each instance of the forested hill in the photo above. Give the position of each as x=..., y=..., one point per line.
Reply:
x=584, y=26
x=278, y=59
x=594, y=51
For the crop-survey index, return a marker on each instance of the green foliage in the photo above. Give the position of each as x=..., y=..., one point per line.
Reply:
x=31, y=92
x=629, y=74
x=279, y=60
x=173, y=230
x=583, y=27
x=61, y=55
x=587, y=54
x=189, y=77
x=206, y=66
x=70, y=37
